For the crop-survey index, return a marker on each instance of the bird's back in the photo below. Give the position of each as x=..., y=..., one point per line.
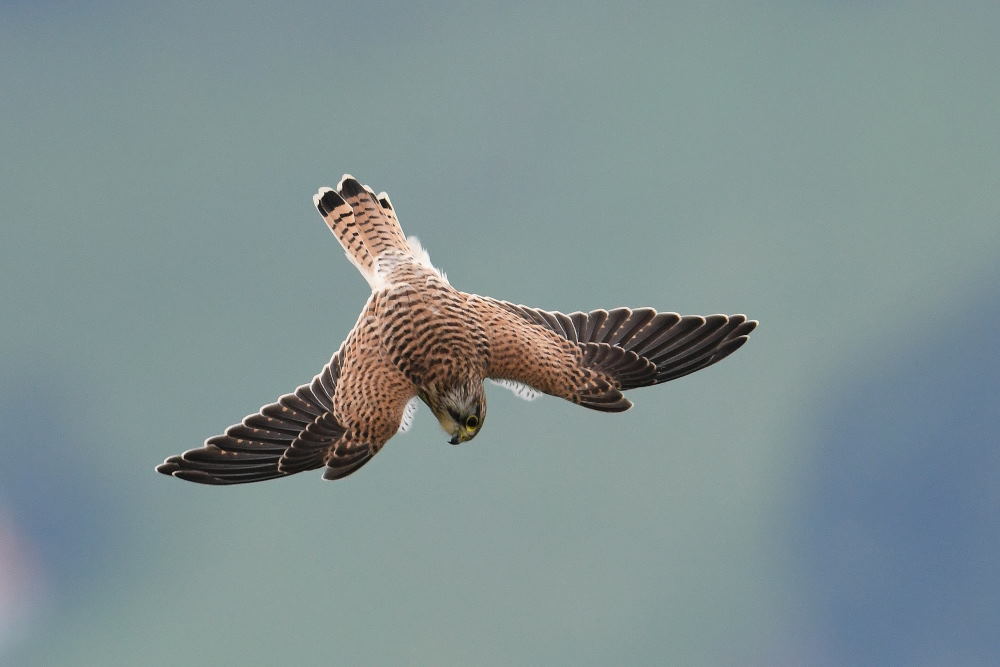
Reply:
x=428, y=330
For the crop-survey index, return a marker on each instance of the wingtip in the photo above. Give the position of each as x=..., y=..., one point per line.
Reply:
x=746, y=320
x=728, y=347
x=197, y=476
x=169, y=466
x=745, y=328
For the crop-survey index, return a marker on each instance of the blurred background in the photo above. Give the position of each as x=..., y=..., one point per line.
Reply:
x=826, y=496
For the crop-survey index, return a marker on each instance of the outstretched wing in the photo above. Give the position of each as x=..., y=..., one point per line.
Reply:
x=307, y=429
x=295, y=433
x=633, y=347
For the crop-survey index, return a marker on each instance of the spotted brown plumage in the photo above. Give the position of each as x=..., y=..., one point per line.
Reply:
x=420, y=338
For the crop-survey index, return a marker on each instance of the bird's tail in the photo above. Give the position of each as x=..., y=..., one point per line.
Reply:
x=364, y=223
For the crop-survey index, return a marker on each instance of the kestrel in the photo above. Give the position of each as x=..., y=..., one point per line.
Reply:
x=420, y=338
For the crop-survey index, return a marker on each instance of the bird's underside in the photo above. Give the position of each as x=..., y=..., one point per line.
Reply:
x=419, y=338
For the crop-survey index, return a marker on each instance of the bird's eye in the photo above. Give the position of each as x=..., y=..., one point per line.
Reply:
x=472, y=421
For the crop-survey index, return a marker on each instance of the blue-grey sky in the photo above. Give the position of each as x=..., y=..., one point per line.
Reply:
x=825, y=496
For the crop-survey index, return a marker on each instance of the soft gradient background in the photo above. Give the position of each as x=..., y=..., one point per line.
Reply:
x=827, y=496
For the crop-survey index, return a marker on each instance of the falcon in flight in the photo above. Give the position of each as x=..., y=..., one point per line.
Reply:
x=420, y=338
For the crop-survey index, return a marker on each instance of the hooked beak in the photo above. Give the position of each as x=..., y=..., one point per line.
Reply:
x=464, y=435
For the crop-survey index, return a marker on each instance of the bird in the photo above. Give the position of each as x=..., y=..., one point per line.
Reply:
x=420, y=339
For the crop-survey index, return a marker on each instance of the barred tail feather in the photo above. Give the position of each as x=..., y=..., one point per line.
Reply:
x=364, y=223
x=339, y=217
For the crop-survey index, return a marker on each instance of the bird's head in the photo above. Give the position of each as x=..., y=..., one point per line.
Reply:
x=460, y=409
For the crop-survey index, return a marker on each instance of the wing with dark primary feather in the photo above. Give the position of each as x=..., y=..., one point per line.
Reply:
x=296, y=433
x=635, y=347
